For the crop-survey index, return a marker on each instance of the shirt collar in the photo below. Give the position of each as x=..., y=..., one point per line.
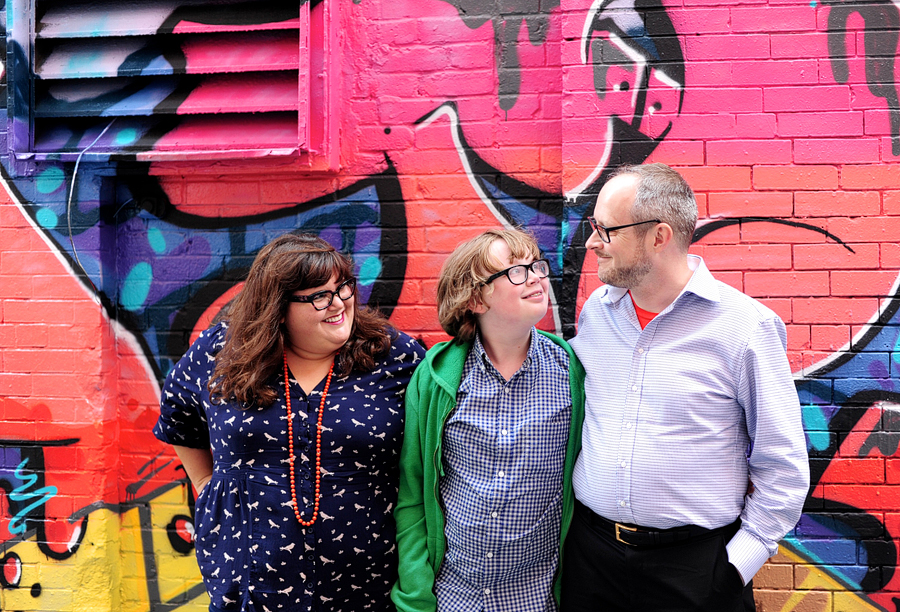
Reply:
x=483, y=361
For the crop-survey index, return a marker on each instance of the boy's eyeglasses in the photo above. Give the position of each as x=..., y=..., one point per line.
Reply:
x=519, y=274
x=603, y=232
x=323, y=299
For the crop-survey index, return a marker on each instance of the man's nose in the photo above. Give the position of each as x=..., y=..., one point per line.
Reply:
x=593, y=241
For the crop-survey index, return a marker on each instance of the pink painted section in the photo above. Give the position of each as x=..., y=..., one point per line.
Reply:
x=242, y=93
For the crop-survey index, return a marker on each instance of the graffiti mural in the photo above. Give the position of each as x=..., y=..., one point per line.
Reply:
x=152, y=149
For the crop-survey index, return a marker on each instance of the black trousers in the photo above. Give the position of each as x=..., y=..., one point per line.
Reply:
x=603, y=575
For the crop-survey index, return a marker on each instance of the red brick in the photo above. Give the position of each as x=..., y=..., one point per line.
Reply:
x=37, y=311
x=870, y=176
x=755, y=125
x=25, y=263
x=728, y=46
x=799, y=45
x=798, y=337
x=866, y=496
x=877, y=123
x=812, y=124
x=795, y=177
x=829, y=310
x=865, y=229
x=679, y=153
x=728, y=234
x=831, y=256
x=786, y=284
x=732, y=279
x=222, y=192
x=849, y=471
x=837, y=150
x=716, y=178
x=748, y=257
x=890, y=255
x=890, y=150
x=891, y=202
x=892, y=473
x=709, y=20
x=763, y=231
x=13, y=385
x=874, y=284
x=710, y=74
x=21, y=361
x=31, y=336
x=702, y=205
x=21, y=287
x=757, y=204
x=747, y=152
x=796, y=99
x=775, y=72
x=776, y=19
x=828, y=337
x=830, y=203
x=726, y=99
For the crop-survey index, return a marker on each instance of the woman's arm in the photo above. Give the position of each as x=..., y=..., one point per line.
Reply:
x=198, y=463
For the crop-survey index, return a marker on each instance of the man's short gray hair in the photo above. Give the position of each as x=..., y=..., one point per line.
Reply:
x=663, y=194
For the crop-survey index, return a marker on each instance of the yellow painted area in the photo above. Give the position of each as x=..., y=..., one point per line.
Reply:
x=111, y=571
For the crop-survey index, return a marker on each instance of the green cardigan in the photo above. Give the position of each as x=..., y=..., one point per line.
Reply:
x=430, y=398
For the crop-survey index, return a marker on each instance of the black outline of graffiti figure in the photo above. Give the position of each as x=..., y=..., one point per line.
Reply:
x=882, y=30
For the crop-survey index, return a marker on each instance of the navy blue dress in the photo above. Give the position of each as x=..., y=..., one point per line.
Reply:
x=252, y=552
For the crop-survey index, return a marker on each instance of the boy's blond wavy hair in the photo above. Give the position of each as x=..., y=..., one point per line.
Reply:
x=460, y=285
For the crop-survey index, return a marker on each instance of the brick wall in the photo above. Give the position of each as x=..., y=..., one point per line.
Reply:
x=783, y=116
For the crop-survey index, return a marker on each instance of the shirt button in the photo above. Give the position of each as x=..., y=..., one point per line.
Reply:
x=490, y=555
x=506, y=389
x=627, y=425
x=634, y=388
x=493, y=515
x=501, y=474
x=504, y=431
x=623, y=464
x=640, y=350
x=622, y=502
x=487, y=591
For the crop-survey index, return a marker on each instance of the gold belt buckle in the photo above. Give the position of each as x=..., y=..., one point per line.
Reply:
x=619, y=528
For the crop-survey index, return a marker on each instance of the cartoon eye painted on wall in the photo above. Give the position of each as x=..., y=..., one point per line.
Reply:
x=181, y=533
x=11, y=575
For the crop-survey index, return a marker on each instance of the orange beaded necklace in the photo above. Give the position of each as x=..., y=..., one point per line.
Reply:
x=291, y=458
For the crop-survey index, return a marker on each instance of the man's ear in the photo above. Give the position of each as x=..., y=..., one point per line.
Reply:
x=663, y=235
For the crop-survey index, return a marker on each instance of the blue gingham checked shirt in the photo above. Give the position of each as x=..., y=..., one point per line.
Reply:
x=672, y=409
x=504, y=449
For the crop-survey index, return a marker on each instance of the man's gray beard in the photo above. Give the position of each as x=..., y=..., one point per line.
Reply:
x=627, y=278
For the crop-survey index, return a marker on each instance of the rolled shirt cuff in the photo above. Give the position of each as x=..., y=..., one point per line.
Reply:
x=747, y=553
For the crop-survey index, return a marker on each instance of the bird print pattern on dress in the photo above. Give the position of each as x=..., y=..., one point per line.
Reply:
x=252, y=552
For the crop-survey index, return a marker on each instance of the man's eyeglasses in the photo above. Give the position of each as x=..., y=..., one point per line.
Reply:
x=519, y=274
x=603, y=232
x=322, y=299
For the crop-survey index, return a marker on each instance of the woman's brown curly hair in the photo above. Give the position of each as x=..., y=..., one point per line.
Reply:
x=254, y=340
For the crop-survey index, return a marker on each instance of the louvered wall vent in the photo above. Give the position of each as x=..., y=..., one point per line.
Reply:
x=172, y=79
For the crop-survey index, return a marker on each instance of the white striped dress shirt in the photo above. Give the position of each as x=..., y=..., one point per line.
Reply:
x=681, y=414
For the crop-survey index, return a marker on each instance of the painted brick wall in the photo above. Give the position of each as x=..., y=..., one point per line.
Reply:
x=782, y=115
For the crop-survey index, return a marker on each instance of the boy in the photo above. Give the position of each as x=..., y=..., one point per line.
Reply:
x=493, y=424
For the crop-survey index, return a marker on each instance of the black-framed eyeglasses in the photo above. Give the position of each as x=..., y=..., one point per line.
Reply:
x=323, y=299
x=519, y=274
x=603, y=232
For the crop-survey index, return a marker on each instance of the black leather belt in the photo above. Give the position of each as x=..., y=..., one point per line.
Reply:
x=648, y=537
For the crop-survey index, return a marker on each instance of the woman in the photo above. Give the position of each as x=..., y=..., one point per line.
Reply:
x=288, y=419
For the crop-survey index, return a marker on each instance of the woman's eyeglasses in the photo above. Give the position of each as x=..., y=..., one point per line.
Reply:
x=323, y=299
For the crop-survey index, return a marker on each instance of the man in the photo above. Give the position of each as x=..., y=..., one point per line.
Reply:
x=689, y=397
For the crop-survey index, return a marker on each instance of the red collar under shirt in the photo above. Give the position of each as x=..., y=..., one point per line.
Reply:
x=644, y=316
